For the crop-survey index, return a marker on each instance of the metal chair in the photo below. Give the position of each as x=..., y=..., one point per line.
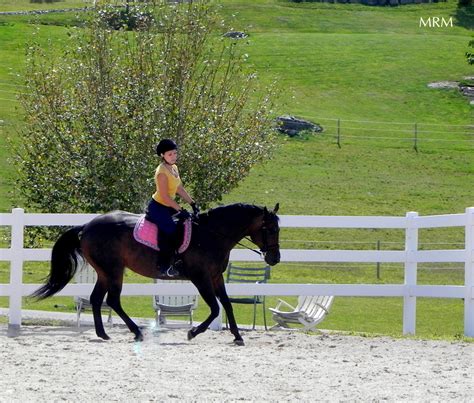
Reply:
x=237, y=274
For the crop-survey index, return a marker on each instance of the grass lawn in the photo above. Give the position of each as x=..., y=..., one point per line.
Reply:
x=26, y=5
x=368, y=67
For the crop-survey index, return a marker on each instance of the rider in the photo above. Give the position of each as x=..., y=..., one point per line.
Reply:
x=163, y=205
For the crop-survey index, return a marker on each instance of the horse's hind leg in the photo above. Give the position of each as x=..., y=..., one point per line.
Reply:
x=207, y=293
x=113, y=300
x=96, y=299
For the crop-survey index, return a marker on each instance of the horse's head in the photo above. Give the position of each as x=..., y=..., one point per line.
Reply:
x=266, y=233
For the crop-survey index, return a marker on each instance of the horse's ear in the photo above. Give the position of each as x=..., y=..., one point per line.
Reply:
x=275, y=209
x=265, y=211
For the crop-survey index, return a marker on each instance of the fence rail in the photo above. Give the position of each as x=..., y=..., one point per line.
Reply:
x=411, y=256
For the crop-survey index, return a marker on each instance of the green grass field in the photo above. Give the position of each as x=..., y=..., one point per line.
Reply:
x=26, y=5
x=368, y=67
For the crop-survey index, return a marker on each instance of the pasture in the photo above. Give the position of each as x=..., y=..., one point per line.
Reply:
x=366, y=66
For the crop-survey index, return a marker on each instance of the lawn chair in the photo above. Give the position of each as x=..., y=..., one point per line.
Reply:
x=174, y=305
x=85, y=275
x=310, y=311
x=253, y=275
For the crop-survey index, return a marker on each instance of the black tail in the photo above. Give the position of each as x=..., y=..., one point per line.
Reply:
x=64, y=263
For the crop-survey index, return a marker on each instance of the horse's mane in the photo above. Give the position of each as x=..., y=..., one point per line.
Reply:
x=231, y=210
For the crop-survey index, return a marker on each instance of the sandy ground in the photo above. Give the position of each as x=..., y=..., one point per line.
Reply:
x=65, y=363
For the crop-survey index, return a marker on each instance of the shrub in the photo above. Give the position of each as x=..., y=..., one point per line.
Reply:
x=95, y=113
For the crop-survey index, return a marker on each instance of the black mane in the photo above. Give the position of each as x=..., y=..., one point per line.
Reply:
x=230, y=215
x=236, y=207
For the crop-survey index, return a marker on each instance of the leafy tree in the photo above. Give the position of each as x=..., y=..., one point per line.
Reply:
x=470, y=54
x=95, y=112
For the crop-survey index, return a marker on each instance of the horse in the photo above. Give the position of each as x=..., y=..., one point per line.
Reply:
x=108, y=245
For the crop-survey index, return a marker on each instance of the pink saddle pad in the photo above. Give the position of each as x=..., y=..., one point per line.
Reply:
x=146, y=233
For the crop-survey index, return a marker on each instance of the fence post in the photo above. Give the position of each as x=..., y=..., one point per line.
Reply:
x=16, y=268
x=339, y=133
x=469, y=275
x=378, y=263
x=415, y=145
x=411, y=246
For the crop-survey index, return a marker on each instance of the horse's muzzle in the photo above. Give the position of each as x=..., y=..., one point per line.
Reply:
x=272, y=258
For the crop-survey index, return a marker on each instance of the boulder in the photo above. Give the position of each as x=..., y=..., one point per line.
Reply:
x=292, y=125
x=444, y=85
x=235, y=35
x=467, y=90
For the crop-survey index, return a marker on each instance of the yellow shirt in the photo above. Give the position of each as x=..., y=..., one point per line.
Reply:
x=173, y=183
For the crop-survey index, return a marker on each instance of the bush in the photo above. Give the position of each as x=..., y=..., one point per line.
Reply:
x=470, y=54
x=95, y=113
x=129, y=18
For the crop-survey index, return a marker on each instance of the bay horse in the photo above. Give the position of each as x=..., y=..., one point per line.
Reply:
x=108, y=245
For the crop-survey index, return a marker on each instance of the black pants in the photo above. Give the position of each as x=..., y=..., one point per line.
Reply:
x=161, y=216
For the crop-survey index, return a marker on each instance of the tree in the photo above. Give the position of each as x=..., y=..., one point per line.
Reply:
x=470, y=54
x=95, y=113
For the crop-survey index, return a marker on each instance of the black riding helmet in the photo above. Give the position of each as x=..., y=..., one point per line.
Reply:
x=165, y=145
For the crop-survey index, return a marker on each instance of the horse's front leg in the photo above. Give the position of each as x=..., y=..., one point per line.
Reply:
x=205, y=288
x=227, y=305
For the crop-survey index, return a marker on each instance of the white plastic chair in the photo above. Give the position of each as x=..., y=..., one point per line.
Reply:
x=174, y=305
x=310, y=311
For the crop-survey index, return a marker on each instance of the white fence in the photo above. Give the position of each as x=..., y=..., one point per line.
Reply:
x=411, y=256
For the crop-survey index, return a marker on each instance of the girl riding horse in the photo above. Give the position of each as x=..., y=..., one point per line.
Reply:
x=163, y=206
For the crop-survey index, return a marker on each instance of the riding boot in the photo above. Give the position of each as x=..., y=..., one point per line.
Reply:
x=167, y=249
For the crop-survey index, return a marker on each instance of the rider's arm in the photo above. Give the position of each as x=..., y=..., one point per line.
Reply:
x=185, y=195
x=163, y=189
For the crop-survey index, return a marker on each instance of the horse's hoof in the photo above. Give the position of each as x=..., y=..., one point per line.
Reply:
x=104, y=336
x=239, y=342
x=191, y=335
x=139, y=337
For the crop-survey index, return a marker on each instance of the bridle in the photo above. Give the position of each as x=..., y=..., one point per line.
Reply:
x=265, y=247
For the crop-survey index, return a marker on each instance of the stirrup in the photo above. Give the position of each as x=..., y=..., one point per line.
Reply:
x=172, y=272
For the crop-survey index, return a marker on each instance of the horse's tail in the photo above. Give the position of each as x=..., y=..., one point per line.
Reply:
x=64, y=263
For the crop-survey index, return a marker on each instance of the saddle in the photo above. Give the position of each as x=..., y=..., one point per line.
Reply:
x=147, y=233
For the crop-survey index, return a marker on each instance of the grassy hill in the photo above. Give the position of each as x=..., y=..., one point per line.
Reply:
x=366, y=66
x=355, y=63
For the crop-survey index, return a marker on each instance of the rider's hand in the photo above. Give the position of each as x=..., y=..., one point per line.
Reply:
x=195, y=207
x=183, y=214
